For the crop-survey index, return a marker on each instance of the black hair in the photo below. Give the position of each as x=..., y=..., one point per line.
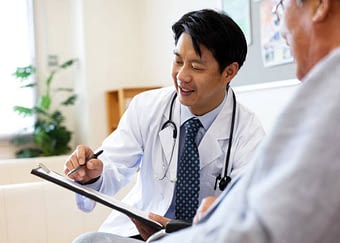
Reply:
x=217, y=32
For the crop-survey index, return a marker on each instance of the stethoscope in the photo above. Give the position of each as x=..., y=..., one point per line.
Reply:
x=221, y=181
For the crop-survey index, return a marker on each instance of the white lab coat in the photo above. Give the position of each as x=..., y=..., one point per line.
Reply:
x=139, y=144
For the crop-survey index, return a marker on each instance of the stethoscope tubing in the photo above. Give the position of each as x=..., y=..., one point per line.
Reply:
x=223, y=181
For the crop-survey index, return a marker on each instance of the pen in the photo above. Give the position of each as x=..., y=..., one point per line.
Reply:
x=94, y=156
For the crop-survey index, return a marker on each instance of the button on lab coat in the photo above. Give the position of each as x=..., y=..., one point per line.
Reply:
x=139, y=144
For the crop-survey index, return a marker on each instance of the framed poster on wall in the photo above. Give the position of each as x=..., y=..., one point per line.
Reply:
x=239, y=10
x=273, y=47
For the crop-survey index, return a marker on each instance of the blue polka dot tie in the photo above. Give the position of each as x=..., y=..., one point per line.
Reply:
x=188, y=174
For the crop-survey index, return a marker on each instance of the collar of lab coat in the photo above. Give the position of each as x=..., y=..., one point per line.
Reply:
x=212, y=145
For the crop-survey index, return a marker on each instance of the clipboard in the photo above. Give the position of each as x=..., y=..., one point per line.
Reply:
x=43, y=172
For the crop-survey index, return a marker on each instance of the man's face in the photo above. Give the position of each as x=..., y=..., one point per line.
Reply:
x=296, y=30
x=200, y=84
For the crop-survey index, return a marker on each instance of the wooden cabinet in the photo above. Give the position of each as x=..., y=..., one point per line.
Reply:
x=117, y=101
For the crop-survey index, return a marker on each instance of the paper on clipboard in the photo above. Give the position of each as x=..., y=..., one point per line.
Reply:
x=43, y=172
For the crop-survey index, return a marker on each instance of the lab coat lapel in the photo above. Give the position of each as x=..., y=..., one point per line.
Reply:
x=214, y=142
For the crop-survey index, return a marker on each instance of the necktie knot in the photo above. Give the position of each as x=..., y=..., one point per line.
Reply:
x=191, y=127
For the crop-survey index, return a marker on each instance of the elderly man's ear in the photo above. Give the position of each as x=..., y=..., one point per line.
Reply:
x=321, y=9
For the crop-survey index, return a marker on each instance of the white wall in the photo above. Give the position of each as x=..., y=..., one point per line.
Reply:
x=267, y=99
x=110, y=58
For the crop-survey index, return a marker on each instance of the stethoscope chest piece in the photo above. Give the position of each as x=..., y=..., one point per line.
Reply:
x=222, y=182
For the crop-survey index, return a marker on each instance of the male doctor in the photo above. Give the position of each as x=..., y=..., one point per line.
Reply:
x=209, y=50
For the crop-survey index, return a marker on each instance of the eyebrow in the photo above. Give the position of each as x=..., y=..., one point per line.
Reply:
x=196, y=60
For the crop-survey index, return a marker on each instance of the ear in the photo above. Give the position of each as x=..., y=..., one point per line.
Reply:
x=230, y=71
x=321, y=10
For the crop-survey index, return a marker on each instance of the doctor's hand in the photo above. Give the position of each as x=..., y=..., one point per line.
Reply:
x=203, y=208
x=91, y=169
x=146, y=231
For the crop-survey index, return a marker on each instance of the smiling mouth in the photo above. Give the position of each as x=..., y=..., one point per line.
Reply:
x=186, y=91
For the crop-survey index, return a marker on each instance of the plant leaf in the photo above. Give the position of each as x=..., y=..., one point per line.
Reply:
x=68, y=63
x=45, y=102
x=50, y=78
x=30, y=85
x=24, y=72
x=70, y=100
x=57, y=117
x=23, y=110
x=28, y=153
x=40, y=111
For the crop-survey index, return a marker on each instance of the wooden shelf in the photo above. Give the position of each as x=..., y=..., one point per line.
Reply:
x=117, y=101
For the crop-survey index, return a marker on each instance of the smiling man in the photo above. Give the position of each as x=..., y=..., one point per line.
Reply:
x=187, y=142
x=201, y=84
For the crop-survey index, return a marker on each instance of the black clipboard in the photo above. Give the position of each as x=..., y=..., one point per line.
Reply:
x=43, y=172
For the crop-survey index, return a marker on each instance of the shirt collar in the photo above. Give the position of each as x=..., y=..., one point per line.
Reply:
x=206, y=119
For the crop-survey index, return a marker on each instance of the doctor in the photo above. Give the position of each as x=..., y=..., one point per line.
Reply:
x=209, y=50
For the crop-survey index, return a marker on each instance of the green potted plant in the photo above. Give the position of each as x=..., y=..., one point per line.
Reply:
x=50, y=136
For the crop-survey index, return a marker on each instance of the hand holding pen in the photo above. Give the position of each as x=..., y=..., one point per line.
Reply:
x=94, y=156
